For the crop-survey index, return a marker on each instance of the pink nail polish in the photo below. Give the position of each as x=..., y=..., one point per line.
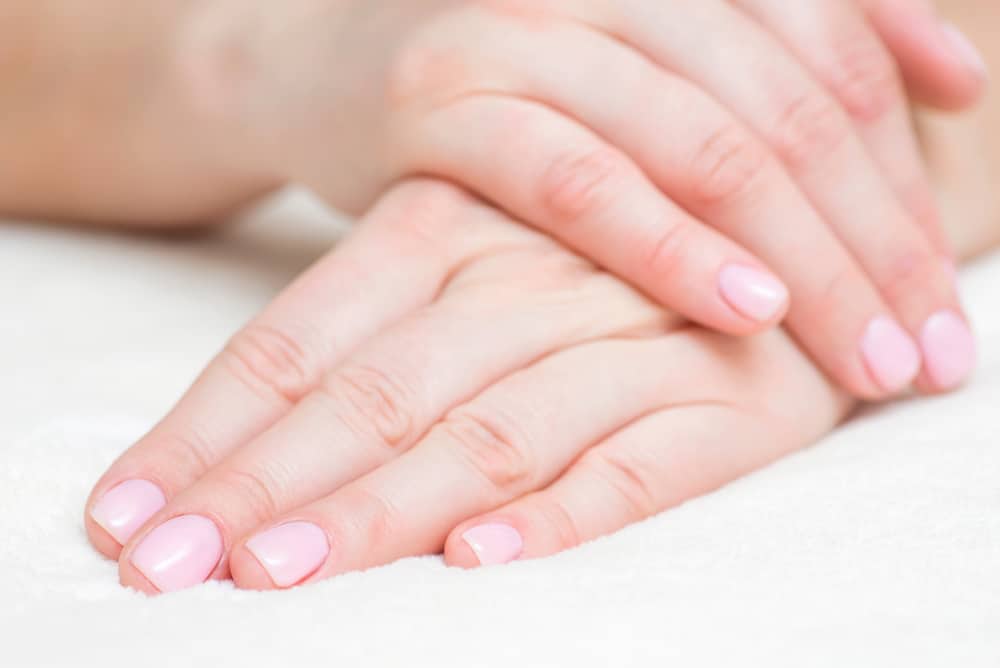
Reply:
x=180, y=553
x=965, y=50
x=126, y=507
x=753, y=293
x=949, y=349
x=290, y=552
x=890, y=354
x=494, y=543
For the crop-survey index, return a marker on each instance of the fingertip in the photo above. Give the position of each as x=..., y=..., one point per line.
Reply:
x=116, y=512
x=483, y=542
x=949, y=349
x=942, y=67
x=247, y=572
x=131, y=577
x=100, y=539
x=891, y=356
x=458, y=553
x=757, y=296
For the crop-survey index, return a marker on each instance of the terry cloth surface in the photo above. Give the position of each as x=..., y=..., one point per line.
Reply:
x=878, y=547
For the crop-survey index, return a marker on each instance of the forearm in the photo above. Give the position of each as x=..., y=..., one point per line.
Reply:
x=93, y=126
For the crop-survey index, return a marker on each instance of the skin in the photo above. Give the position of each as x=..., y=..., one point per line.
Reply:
x=500, y=369
x=679, y=174
x=478, y=456
x=566, y=423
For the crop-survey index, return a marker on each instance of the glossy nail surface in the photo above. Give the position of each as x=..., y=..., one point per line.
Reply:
x=966, y=51
x=494, y=543
x=753, y=293
x=126, y=507
x=890, y=354
x=180, y=553
x=949, y=349
x=290, y=552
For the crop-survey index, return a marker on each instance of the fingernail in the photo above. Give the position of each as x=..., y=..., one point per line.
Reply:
x=949, y=349
x=755, y=294
x=290, y=552
x=494, y=544
x=891, y=355
x=126, y=507
x=964, y=49
x=180, y=553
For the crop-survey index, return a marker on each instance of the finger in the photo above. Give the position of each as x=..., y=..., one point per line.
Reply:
x=654, y=465
x=942, y=67
x=664, y=459
x=834, y=40
x=814, y=138
x=515, y=437
x=279, y=356
x=708, y=162
x=378, y=403
x=564, y=180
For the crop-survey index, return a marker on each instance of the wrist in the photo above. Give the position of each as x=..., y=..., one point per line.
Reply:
x=258, y=75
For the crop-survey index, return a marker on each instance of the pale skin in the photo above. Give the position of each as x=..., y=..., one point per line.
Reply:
x=725, y=134
x=519, y=403
x=601, y=432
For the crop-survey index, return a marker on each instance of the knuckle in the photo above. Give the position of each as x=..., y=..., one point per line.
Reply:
x=558, y=521
x=420, y=71
x=725, y=166
x=908, y=274
x=373, y=518
x=253, y=492
x=267, y=359
x=427, y=211
x=809, y=128
x=626, y=475
x=181, y=448
x=667, y=255
x=372, y=402
x=836, y=291
x=576, y=184
x=493, y=447
x=863, y=76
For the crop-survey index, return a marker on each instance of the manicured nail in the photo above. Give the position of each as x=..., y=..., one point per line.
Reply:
x=126, y=507
x=949, y=349
x=966, y=51
x=891, y=355
x=290, y=552
x=494, y=543
x=755, y=294
x=180, y=553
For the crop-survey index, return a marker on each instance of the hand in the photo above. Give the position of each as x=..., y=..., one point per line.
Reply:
x=659, y=139
x=446, y=379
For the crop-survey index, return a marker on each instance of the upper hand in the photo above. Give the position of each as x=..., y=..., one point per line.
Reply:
x=692, y=148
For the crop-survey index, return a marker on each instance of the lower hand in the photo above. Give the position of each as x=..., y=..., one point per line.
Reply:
x=446, y=380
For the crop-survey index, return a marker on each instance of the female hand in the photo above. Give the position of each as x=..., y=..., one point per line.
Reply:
x=449, y=379
x=659, y=139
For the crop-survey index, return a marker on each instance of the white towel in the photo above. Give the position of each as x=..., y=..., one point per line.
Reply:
x=879, y=546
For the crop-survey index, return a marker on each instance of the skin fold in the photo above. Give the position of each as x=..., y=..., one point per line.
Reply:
x=681, y=177
x=362, y=448
x=496, y=394
x=509, y=376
